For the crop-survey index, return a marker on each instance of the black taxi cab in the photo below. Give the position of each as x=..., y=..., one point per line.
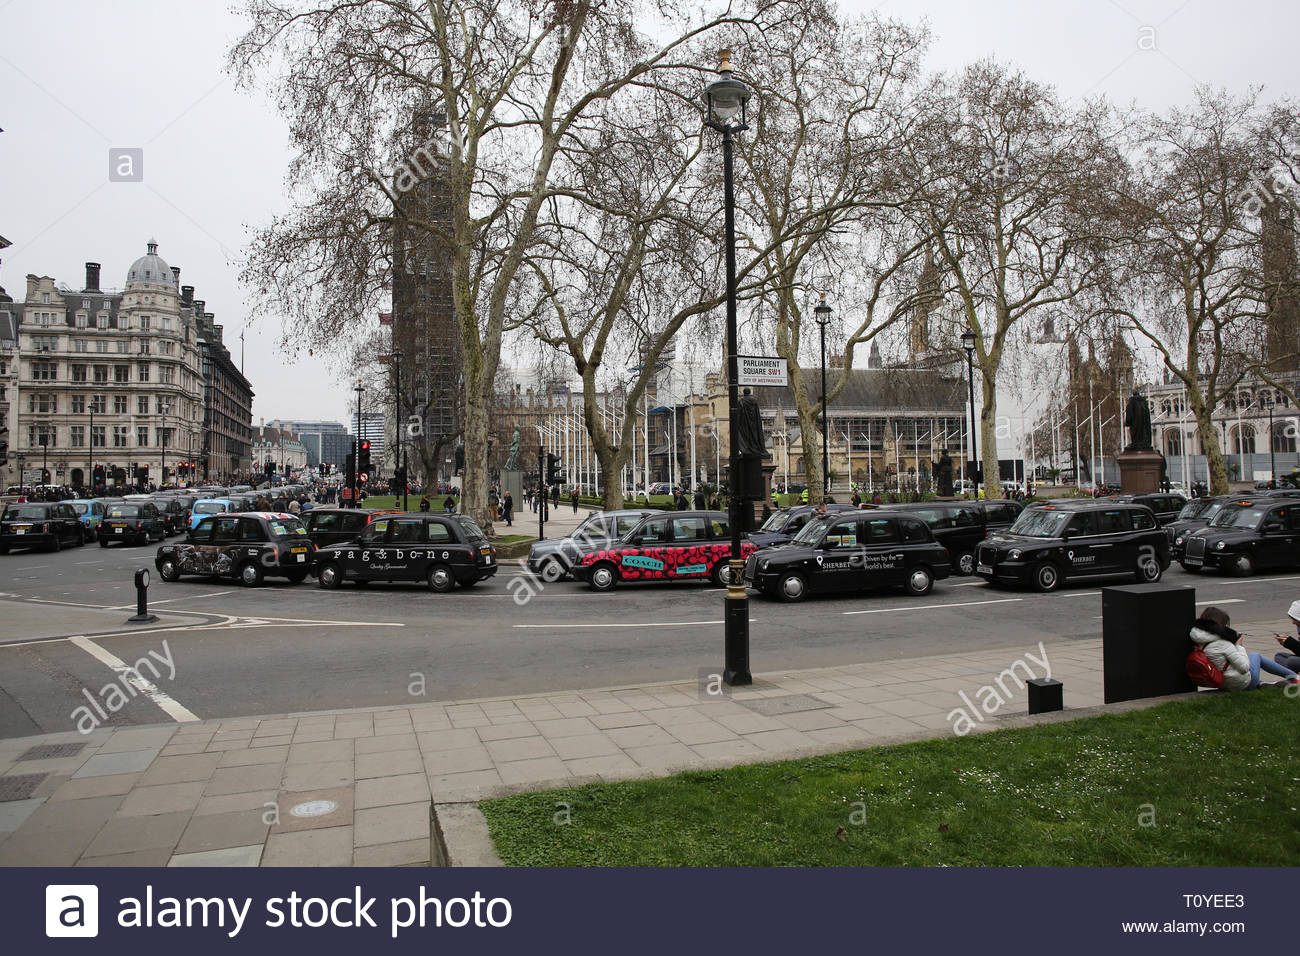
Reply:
x=126, y=521
x=783, y=524
x=678, y=546
x=961, y=525
x=336, y=525
x=851, y=552
x=40, y=524
x=1050, y=544
x=1247, y=534
x=440, y=550
x=247, y=547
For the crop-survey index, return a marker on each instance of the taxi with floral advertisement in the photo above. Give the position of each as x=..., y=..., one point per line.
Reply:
x=678, y=546
x=247, y=547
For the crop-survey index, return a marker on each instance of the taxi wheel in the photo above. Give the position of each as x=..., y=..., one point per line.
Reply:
x=1148, y=571
x=329, y=576
x=792, y=588
x=1046, y=577
x=441, y=579
x=1243, y=566
x=603, y=577
x=919, y=581
x=721, y=573
x=168, y=570
x=965, y=563
x=250, y=574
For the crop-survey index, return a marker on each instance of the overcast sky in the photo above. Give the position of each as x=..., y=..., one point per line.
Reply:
x=81, y=76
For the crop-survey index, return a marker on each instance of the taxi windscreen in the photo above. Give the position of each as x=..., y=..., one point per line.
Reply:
x=775, y=521
x=811, y=533
x=472, y=530
x=124, y=511
x=1040, y=523
x=286, y=527
x=1238, y=516
x=209, y=507
x=25, y=513
x=80, y=508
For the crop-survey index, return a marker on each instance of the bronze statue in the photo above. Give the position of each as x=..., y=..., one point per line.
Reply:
x=1137, y=418
x=749, y=427
x=514, y=450
x=943, y=474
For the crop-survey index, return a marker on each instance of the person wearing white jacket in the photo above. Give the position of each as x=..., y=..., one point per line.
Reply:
x=1223, y=646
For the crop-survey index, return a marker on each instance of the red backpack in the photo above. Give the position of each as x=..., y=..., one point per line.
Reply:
x=1202, y=670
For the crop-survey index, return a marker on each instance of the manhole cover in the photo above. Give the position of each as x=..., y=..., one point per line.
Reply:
x=49, y=751
x=313, y=808
x=791, y=704
x=20, y=786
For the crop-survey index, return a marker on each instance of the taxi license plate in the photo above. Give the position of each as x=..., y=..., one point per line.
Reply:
x=301, y=558
x=297, y=550
x=20, y=530
x=117, y=529
x=1192, y=562
x=983, y=569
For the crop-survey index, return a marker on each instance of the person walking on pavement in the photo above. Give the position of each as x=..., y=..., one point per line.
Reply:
x=507, y=509
x=555, y=496
x=575, y=500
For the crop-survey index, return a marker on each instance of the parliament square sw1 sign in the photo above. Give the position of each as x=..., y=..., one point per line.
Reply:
x=761, y=370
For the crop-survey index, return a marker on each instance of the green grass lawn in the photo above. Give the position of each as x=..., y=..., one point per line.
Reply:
x=1213, y=781
x=412, y=501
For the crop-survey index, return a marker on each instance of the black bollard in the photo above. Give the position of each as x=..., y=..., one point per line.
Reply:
x=142, y=615
x=1045, y=695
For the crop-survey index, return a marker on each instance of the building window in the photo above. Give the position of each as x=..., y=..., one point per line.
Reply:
x=119, y=436
x=144, y=346
x=79, y=345
x=78, y=404
x=123, y=346
x=166, y=324
x=119, y=404
x=77, y=436
x=121, y=373
x=101, y=346
x=142, y=436
x=144, y=323
x=44, y=403
x=142, y=405
x=45, y=343
x=167, y=375
x=83, y=320
x=45, y=371
x=1284, y=437
x=101, y=373
x=144, y=371
x=101, y=320
x=97, y=437
x=164, y=437
x=99, y=404
x=45, y=298
x=79, y=373
x=42, y=435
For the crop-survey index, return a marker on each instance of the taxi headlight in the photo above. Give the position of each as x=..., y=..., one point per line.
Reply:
x=1220, y=546
x=1180, y=539
x=762, y=565
x=1013, y=554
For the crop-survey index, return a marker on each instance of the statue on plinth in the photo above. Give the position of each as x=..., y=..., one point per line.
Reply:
x=1137, y=418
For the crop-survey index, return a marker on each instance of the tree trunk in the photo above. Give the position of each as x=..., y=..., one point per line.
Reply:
x=1214, y=462
x=989, y=431
x=809, y=435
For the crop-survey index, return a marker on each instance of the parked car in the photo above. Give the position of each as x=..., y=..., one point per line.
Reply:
x=1166, y=507
x=554, y=558
x=174, y=514
x=91, y=513
x=1248, y=534
x=248, y=548
x=1051, y=544
x=783, y=524
x=851, y=552
x=439, y=549
x=210, y=506
x=138, y=521
x=961, y=525
x=326, y=526
x=49, y=525
x=682, y=545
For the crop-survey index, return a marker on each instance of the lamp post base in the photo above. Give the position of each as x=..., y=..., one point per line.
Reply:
x=735, y=671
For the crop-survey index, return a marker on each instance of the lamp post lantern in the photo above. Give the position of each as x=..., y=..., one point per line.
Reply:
x=726, y=100
x=823, y=319
x=968, y=341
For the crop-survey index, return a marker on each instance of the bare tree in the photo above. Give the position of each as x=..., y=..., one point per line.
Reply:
x=514, y=82
x=1012, y=178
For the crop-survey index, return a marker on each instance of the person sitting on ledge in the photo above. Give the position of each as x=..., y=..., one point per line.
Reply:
x=1223, y=646
x=1289, y=657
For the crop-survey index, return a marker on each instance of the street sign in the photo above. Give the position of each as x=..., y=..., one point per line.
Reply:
x=761, y=370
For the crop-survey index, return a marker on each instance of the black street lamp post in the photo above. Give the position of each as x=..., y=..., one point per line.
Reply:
x=400, y=458
x=823, y=319
x=356, y=449
x=725, y=101
x=968, y=340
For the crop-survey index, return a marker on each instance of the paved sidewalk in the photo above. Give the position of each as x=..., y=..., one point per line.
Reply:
x=224, y=792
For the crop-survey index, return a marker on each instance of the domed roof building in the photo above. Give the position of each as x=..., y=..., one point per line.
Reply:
x=151, y=269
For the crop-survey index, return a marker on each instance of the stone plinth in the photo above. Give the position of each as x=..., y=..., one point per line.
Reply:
x=1139, y=472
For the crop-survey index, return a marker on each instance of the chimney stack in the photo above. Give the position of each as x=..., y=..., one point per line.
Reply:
x=198, y=307
x=33, y=283
x=92, y=277
x=216, y=329
x=187, y=294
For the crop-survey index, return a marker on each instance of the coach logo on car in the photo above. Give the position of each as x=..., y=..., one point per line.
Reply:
x=641, y=561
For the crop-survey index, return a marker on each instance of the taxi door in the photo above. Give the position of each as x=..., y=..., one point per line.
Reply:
x=840, y=565
x=653, y=542
x=884, y=563
x=1275, y=547
x=403, y=552
x=1084, y=551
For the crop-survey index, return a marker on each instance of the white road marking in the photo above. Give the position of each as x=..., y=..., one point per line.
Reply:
x=930, y=607
x=969, y=584
x=1081, y=594
x=655, y=624
x=1268, y=580
x=129, y=674
x=125, y=607
x=1222, y=601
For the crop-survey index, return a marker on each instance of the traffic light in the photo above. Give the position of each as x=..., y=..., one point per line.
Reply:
x=363, y=466
x=45, y=476
x=270, y=469
x=350, y=470
x=99, y=475
x=399, y=480
x=554, y=469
